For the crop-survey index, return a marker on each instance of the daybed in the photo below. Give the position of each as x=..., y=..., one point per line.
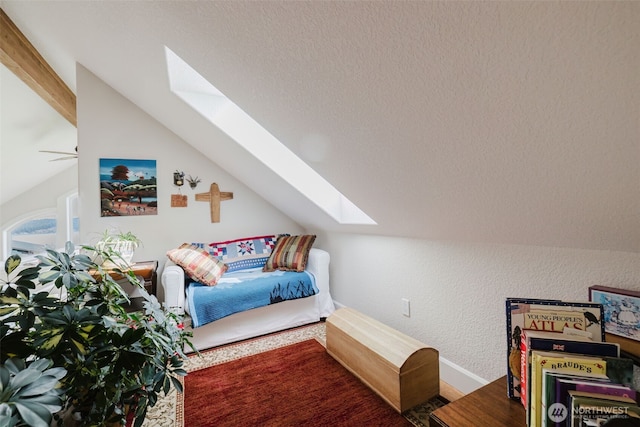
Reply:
x=256, y=321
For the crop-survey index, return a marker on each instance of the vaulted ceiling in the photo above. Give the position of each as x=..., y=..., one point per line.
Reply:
x=505, y=122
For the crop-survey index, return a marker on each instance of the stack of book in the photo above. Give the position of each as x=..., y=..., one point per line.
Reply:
x=560, y=367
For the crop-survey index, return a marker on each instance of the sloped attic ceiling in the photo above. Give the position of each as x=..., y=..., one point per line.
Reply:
x=506, y=122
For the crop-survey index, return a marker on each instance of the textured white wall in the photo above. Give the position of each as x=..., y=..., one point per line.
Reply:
x=457, y=290
x=109, y=126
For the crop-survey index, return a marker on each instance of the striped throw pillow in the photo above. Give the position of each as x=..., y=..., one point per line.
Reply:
x=290, y=254
x=198, y=264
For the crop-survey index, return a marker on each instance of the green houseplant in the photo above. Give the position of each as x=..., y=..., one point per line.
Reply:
x=119, y=246
x=70, y=312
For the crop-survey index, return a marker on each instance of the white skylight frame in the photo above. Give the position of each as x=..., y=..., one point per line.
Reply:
x=206, y=99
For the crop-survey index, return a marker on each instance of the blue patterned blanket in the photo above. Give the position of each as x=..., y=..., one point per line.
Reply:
x=244, y=290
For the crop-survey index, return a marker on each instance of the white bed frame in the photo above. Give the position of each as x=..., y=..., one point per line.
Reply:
x=259, y=321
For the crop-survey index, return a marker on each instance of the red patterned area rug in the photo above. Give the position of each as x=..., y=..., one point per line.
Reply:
x=296, y=385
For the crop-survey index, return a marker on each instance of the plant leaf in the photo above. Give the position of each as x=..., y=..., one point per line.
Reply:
x=9, y=300
x=12, y=263
x=52, y=342
x=7, y=310
x=40, y=386
x=25, y=377
x=35, y=415
x=40, y=364
x=177, y=384
x=5, y=377
x=69, y=247
x=14, y=365
x=58, y=373
x=8, y=420
x=81, y=348
x=48, y=276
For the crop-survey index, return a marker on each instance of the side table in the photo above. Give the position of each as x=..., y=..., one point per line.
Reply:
x=148, y=270
x=487, y=406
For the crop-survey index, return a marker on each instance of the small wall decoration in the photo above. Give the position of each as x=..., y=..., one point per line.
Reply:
x=193, y=182
x=178, y=201
x=214, y=197
x=128, y=187
x=178, y=178
x=621, y=310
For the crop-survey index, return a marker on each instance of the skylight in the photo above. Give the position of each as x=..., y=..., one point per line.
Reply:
x=203, y=97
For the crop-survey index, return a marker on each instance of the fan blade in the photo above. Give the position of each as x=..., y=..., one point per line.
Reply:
x=64, y=158
x=58, y=152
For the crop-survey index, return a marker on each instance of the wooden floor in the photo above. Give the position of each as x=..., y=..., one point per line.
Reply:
x=449, y=393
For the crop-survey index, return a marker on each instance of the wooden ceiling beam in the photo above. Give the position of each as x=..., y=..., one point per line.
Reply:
x=19, y=55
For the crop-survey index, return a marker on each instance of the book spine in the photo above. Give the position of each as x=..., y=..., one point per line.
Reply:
x=594, y=348
x=563, y=364
x=562, y=389
x=524, y=351
x=562, y=394
x=606, y=389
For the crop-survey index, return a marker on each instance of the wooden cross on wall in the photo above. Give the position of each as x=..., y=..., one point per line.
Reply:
x=214, y=197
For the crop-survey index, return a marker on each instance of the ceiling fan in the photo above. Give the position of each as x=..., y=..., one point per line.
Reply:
x=66, y=155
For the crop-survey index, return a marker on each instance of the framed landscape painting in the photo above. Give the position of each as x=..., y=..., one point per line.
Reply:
x=128, y=187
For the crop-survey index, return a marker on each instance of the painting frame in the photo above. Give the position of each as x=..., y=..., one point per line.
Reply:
x=128, y=187
x=621, y=310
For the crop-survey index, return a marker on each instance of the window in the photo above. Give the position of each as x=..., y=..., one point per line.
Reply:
x=48, y=228
x=33, y=235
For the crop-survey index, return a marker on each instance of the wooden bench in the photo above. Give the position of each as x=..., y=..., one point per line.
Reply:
x=400, y=369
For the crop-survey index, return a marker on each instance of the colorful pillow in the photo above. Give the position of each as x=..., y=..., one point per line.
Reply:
x=290, y=254
x=198, y=264
x=240, y=254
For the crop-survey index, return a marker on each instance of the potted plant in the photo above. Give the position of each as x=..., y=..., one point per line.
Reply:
x=67, y=313
x=119, y=246
x=193, y=182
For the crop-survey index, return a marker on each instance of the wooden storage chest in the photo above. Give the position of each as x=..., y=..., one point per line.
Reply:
x=401, y=369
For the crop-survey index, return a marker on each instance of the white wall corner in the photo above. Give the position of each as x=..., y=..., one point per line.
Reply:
x=338, y=305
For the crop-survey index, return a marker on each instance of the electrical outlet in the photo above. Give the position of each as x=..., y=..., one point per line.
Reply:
x=406, y=307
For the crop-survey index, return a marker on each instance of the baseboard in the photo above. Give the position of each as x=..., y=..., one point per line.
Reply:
x=338, y=305
x=456, y=381
x=450, y=394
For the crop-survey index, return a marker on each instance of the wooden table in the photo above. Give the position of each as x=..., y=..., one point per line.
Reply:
x=487, y=406
x=148, y=270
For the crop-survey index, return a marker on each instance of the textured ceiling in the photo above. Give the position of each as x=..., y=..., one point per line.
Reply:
x=506, y=122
